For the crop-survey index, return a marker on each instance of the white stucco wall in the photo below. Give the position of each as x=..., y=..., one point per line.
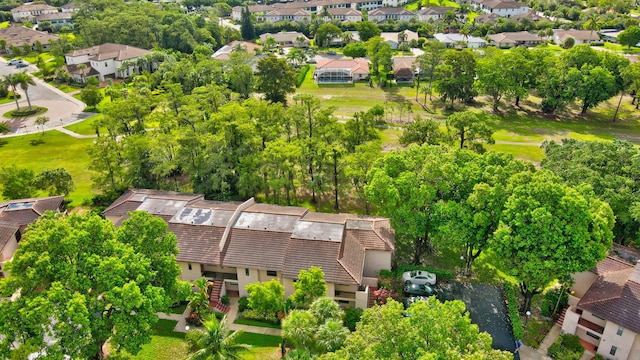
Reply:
x=75, y=60
x=9, y=249
x=622, y=342
x=374, y=261
x=582, y=282
x=190, y=275
x=634, y=354
x=244, y=280
x=570, y=321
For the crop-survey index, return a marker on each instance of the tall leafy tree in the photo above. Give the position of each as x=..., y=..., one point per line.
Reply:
x=592, y=85
x=379, y=52
x=426, y=330
x=246, y=25
x=266, y=297
x=17, y=183
x=275, y=78
x=422, y=131
x=215, y=341
x=327, y=33
x=630, y=36
x=55, y=181
x=549, y=230
x=368, y=30
x=24, y=80
x=309, y=287
x=455, y=77
x=469, y=131
x=429, y=61
x=84, y=283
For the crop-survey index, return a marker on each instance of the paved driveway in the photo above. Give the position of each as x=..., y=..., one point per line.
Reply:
x=63, y=108
x=486, y=308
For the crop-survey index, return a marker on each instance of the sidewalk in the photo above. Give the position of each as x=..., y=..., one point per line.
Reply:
x=529, y=353
x=233, y=314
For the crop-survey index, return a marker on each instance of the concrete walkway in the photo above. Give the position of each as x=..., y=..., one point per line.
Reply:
x=233, y=314
x=529, y=353
x=181, y=326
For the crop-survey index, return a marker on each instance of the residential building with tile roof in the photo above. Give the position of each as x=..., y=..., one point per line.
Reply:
x=20, y=35
x=16, y=216
x=105, y=60
x=579, y=36
x=504, y=8
x=604, y=309
x=511, y=39
x=404, y=68
x=297, y=15
x=238, y=243
x=390, y=13
x=56, y=20
x=393, y=38
x=433, y=13
x=455, y=40
x=287, y=39
x=341, y=71
x=30, y=11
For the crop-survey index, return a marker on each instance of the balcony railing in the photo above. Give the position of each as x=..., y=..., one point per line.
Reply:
x=591, y=326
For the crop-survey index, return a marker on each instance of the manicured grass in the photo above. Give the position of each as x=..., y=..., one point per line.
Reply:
x=8, y=99
x=165, y=344
x=621, y=49
x=180, y=308
x=243, y=321
x=87, y=126
x=535, y=332
x=48, y=151
x=65, y=87
x=263, y=347
x=4, y=24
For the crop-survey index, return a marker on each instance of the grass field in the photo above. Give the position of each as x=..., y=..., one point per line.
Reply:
x=48, y=151
x=87, y=126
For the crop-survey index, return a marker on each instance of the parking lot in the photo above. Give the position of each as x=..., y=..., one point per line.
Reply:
x=486, y=308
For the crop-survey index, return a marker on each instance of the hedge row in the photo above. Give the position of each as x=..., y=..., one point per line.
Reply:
x=514, y=315
x=441, y=274
x=302, y=74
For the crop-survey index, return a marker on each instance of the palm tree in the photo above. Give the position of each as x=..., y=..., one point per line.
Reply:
x=592, y=24
x=24, y=80
x=9, y=80
x=346, y=36
x=215, y=342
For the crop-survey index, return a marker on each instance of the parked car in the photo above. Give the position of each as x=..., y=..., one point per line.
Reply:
x=331, y=52
x=418, y=290
x=411, y=299
x=419, y=277
x=21, y=64
x=13, y=61
x=312, y=61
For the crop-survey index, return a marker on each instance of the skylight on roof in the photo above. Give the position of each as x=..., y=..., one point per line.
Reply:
x=20, y=206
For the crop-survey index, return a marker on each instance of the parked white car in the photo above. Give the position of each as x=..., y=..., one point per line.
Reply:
x=419, y=277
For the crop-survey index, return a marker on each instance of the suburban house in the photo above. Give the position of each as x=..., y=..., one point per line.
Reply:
x=224, y=53
x=258, y=10
x=390, y=13
x=504, y=8
x=454, y=40
x=103, y=61
x=19, y=36
x=393, y=38
x=70, y=7
x=342, y=71
x=296, y=15
x=511, y=39
x=238, y=243
x=580, y=36
x=486, y=18
x=604, y=309
x=433, y=13
x=315, y=6
x=531, y=15
x=344, y=14
x=287, y=39
x=30, y=11
x=16, y=216
x=55, y=20
x=404, y=68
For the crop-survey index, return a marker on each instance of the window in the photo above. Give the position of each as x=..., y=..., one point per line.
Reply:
x=246, y=272
x=613, y=350
x=272, y=273
x=105, y=65
x=593, y=335
x=620, y=330
x=189, y=265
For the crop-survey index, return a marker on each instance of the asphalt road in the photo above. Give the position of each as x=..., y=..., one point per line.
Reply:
x=486, y=308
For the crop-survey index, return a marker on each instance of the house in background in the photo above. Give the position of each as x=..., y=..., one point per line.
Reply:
x=287, y=39
x=70, y=7
x=343, y=71
x=453, y=40
x=103, y=61
x=404, y=68
x=486, y=18
x=393, y=39
x=258, y=10
x=511, y=39
x=224, y=53
x=28, y=12
x=433, y=13
x=56, y=20
x=344, y=14
x=16, y=216
x=239, y=243
x=504, y=8
x=19, y=36
x=297, y=15
x=604, y=309
x=382, y=14
x=580, y=36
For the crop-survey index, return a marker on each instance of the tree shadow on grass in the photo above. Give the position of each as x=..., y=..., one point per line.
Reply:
x=36, y=142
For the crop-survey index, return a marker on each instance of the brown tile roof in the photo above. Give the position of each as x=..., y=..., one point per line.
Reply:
x=435, y=10
x=290, y=12
x=215, y=205
x=54, y=16
x=582, y=35
x=302, y=254
x=327, y=218
x=28, y=214
x=276, y=209
x=110, y=51
x=610, y=264
x=352, y=254
x=615, y=295
x=77, y=70
x=256, y=249
x=514, y=36
x=357, y=65
x=369, y=239
x=139, y=195
x=33, y=7
x=390, y=11
x=7, y=232
x=404, y=64
x=484, y=18
x=198, y=244
x=344, y=11
x=20, y=35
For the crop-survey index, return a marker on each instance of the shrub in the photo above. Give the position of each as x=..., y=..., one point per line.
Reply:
x=243, y=304
x=225, y=300
x=93, y=81
x=441, y=274
x=512, y=306
x=302, y=74
x=550, y=300
x=566, y=347
x=256, y=315
x=194, y=319
x=352, y=317
x=4, y=91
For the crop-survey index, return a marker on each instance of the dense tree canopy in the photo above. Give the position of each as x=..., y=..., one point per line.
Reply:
x=426, y=330
x=83, y=282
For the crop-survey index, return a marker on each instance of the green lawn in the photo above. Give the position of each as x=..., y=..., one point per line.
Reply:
x=87, y=126
x=51, y=150
x=4, y=24
x=250, y=322
x=621, y=49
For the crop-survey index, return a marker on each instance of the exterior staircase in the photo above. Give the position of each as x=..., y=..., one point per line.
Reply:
x=561, y=318
x=214, y=297
x=372, y=302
